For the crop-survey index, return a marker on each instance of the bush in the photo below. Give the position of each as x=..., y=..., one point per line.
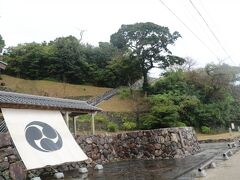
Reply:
x=124, y=93
x=179, y=124
x=112, y=127
x=205, y=130
x=129, y=125
x=101, y=119
x=84, y=118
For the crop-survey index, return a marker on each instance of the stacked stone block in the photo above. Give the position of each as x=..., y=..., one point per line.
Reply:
x=168, y=143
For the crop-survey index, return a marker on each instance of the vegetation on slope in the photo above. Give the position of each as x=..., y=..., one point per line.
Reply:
x=51, y=88
x=118, y=63
x=116, y=104
x=207, y=99
x=57, y=89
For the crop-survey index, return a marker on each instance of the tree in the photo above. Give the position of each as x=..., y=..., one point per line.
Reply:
x=28, y=60
x=65, y=59
x=148, y=42
x=101, y=55
x=2, y=44
x=125, y=70
x=69, y=63
x=170, y=110
x=203, y=97
x=173, y=102
x=188, y=65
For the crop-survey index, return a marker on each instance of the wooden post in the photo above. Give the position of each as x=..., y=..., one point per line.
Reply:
x=93, y=123
x=75, y=125
x=67, y=118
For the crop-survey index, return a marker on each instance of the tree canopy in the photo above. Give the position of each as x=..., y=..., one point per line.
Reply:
x=65, y=59
x=2, y=43
x=183, y=96
x=131, y=53
x=204, y=97
x=148, y=43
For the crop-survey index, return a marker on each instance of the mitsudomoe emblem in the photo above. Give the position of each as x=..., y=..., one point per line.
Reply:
x=43, y=137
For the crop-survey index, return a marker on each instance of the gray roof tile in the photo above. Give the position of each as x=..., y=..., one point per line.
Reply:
x=44, y=102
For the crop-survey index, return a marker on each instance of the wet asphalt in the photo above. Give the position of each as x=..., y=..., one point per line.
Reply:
x=181, y=169
x=167, y=169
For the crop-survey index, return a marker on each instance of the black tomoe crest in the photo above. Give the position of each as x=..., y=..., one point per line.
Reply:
x=43, y=137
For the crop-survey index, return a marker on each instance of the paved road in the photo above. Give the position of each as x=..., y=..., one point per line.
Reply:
x=180, y=169
x=216, y=149
x=226, y=170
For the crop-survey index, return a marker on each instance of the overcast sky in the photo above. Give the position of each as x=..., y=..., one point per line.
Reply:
x=24, y=21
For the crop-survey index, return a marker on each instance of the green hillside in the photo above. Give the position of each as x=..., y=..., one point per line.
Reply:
x=50, y=88
x=57, y=89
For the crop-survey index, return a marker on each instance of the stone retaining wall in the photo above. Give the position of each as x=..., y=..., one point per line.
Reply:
x=169, y=143
x=11, y=166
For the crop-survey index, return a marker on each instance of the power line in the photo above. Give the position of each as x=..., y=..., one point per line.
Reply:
x=208, y=17
x=207, y=13
x=210, y=29
x=189, y=29
x=196, y=21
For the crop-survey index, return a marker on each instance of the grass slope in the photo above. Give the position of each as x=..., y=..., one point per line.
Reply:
x=218, y=136
x=115, y=104
x=57, y=89
x=50, y=88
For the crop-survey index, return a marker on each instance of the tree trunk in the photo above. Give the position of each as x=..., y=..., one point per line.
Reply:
x=138, y=119
x=145, y=83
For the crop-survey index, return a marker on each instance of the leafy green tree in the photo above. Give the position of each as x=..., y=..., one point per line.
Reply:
x=66, y=60
x=203, y=97
x=100, y=56
x=174, y=81
x=125, y=70
x=169, y=109
x=148, y=43
x=112, y=68
x=214, y=82
x=69, y=61
x=28, y=61
x=2, y=43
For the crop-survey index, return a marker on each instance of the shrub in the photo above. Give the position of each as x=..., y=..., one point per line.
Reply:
x=205, y=130
x=101, y=118
x=84, y=118
x=112, y=127
x=124, y=93
x=179, y=124
x=129, y=125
